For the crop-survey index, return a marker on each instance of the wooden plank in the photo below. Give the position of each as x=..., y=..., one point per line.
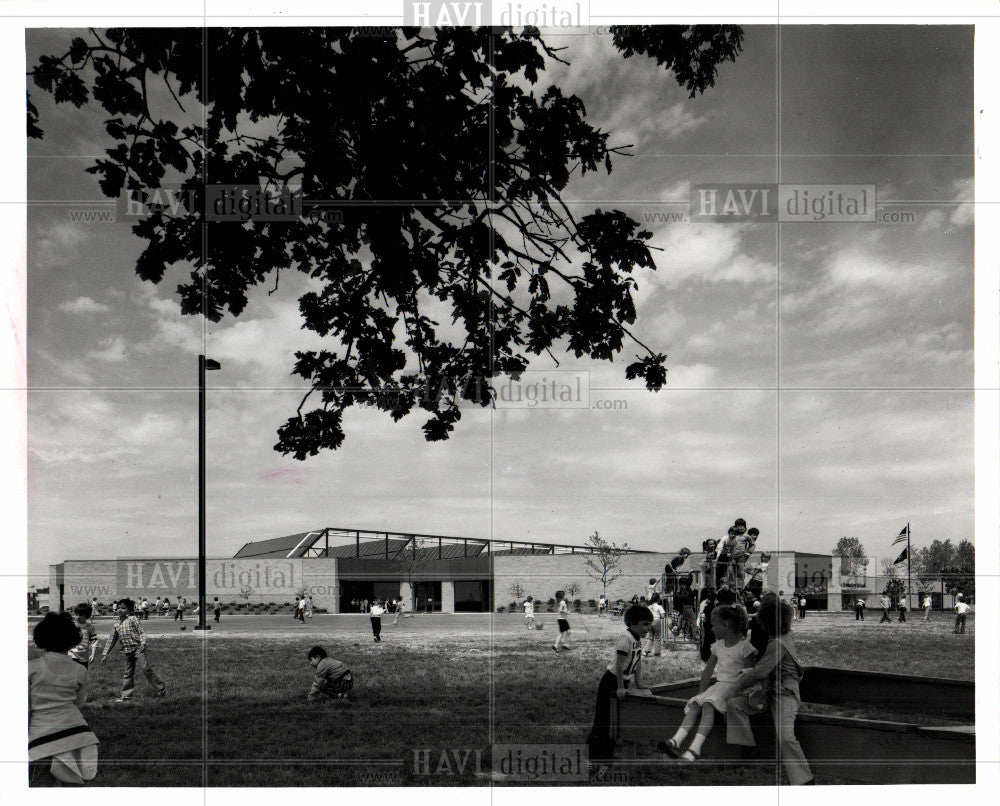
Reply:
x=924, y=695
x=838, y=748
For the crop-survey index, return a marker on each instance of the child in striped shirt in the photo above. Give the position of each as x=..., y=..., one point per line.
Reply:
x=624, y=672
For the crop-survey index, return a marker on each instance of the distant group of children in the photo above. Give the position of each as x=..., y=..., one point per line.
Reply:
x=303, y=608
x=143, y=607
x=744, y=674
x=962, y=609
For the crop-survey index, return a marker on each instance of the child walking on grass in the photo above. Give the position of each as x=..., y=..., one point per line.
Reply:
x=562, y=640
x=623, y=673
x=133, y=641
x=730, y=654
x=529, y=613
x=333, y=680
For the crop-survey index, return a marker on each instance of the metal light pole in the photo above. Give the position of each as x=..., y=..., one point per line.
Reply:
x=203, y=365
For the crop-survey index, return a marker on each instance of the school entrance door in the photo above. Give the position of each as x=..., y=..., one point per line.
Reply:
x=428, y=597
x=473, y=596
x=353, y=593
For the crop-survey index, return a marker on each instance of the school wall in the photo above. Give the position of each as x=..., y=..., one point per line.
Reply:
x=541, y=575
x=790, y=571
x=233, y=581
x=319, y=576
x=87, y=579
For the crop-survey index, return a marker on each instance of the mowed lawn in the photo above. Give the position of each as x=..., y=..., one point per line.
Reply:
x=430, y=701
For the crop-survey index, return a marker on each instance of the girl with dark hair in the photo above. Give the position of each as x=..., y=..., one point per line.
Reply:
x=61, y=747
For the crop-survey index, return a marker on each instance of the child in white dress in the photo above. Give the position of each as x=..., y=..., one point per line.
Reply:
x=730, y=654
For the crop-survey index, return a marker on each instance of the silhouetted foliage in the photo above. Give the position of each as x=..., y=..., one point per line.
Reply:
x=438, y=161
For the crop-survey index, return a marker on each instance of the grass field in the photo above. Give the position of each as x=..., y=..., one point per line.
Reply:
x=431, y=698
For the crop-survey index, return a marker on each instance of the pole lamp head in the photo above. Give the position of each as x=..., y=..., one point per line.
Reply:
x=211, y=363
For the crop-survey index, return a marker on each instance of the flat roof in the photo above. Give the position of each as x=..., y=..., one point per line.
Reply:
x=333, y=541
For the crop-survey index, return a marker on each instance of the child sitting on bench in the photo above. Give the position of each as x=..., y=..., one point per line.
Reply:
x=730, y=655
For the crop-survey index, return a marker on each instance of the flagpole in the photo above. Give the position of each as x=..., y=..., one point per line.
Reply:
x=908, y=566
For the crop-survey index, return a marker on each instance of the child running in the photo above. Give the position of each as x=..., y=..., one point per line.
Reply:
x=401, y=612
x=624, y=672
x=529, y=613
x=333, y=679
x=376, y=617
x=563, y=621
x=730, y=654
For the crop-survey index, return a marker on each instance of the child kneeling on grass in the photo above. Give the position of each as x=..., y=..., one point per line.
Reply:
x=731, y=653
x=61, y=747
x=624, y=672
x=333, y=679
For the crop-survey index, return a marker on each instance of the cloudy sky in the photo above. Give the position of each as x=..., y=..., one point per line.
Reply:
x=819, y=374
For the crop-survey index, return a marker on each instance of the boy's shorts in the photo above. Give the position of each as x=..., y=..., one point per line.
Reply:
x=336, y=689
x=563, y=625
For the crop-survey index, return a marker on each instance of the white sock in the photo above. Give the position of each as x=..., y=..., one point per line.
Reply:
x=696, y=743
x=680, y=736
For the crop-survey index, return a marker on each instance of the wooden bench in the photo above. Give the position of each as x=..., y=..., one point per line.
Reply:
x=840, y=748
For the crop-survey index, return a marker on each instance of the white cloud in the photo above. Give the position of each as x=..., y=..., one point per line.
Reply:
x=932, y=221
x=709, y=252
x=632, y=123
x=959, y=215
x=855, y=269
x=82, y=306
x=57, y=246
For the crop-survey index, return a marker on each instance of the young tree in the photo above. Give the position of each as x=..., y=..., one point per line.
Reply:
x=388, y=133
x=894, y=589
x=572, y=589
x=517, y=590
x=854, y=561
x=604, y=564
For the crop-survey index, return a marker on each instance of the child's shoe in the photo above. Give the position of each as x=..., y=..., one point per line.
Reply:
x=670, y=747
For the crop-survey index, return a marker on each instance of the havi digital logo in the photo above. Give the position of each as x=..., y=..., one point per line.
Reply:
x=441, y=13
